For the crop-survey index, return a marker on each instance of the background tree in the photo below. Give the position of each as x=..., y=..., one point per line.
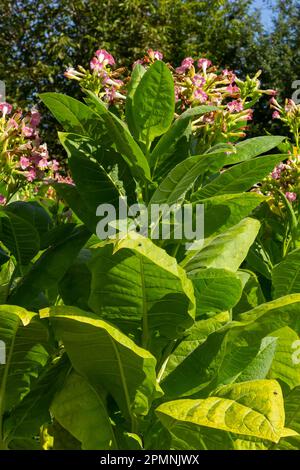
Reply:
x=38, y=40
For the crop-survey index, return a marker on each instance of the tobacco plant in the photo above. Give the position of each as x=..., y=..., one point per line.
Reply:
x=135, y=342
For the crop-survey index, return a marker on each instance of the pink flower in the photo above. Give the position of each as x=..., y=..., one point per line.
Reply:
x=232, y=89
x=31, y=175
x=186, y=64
x=12, y=124
x=95, y=64
x=35, y=118
x=27, y=131
x=235, y=106
x=54, y=165
x=43, y=163
x=154, y=55
x=204, y=64
x=249, y=115
x=276, y=115
x=229, y=74
x=2, y=200
x=198, y=80
x=73, y=74
x=200, y=95
x=24, y=162
x=5, y=108
x=138, y=61
x=290, y=104
x=110, y=94
x=104, y=57
x=291, y=196
x=271, y=92
x=275, y=174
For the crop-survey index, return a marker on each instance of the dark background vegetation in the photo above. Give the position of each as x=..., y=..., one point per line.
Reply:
x=39, y=39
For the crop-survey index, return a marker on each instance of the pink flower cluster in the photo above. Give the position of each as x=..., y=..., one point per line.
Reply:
x=196, y=82
x=101, y=78
x=285, y=178
x=289, y=114
x=24, y=158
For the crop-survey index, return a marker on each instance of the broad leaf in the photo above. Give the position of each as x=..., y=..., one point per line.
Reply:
x=225, y=251
x=23, y=336
x=167, y=144
x=208, y=282
x=124, y=142
x=152, y=292
x=107, y=358
x=19, y=236
x=249, y=408
x=286, y=275
x=81, y=409
x=240, y=177
x=76, y=117
x=49, y=269
x=153, y=103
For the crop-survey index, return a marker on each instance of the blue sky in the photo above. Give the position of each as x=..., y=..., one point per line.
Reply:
x=265, y=11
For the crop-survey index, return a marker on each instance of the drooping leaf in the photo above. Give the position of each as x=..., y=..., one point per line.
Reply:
x=286, y=275
x=152, y=292
x=25, y=356
x=123, y=140
x=167, y=144
x=221, y=251
x=76, y=117
x=19, y=236
x=34, y=410
x=240, y=177
x=216, y=290
x=249, y=408
x=107, y=358
x=50, y=268
x=81, y=409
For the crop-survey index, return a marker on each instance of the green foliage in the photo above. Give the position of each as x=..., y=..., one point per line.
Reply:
x=132, y=342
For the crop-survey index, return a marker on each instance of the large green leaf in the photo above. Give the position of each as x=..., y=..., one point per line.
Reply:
x=194, y=337
x=74, y=287
x=251, y=148
x=286, y=275
x=49, y=269
x=274, y=315
x=222, y=212
x=33, y=411
x=240, y=177
x=94, y=185
x=182, y=176
x=252, y=294
x=225, y=251
x=216, y=290
x=81, y=409
x=138, y=285
x=167, y=144
x=284, y=366
x=135, y=79
x=70, y=195
x=23, y=336
x=34, y=213
x=123, y=140
x=153, y=103
x=19, y=236
x=250, y=408
x=76, y=117
x=107, y=358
